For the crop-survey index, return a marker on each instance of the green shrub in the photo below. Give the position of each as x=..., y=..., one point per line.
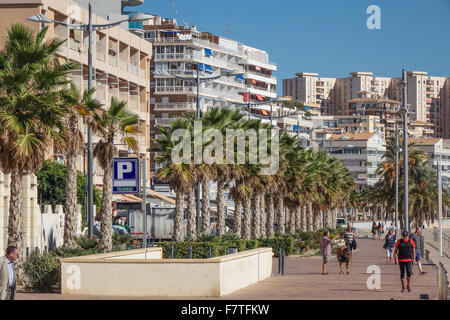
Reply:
x=88, y=244
x=252, y=244
x=43, y=272
x=204, y=237
x=229, y=237
x=277, y=243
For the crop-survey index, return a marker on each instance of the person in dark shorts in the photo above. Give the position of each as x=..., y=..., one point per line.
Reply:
x=404, y=256
x=374, y=230
x=343, y=256
x=416, y=238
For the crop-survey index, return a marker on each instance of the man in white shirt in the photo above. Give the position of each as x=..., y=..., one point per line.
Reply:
x=7, y=277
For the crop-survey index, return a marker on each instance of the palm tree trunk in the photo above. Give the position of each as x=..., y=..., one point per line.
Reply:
x=247, y=219
x=106, y=211
x=316, y=221
x=304, y=217
x=220, y=208
x=70, y=218
x=270, y=216
x=15, y=221
x=281, y=219
x=205, y=207
x=179, y=213
x=237, y=217
x=191, y=225
x=309, y=217
x=263, y=217
x=291, y=220
x=255, y=216
x=298, y=217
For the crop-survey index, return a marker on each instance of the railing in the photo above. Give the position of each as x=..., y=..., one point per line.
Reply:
x=443, y=282
x=123, y=64
x=100, y=55
x=261, y=74
x=173, y=56
x=134, y=69
x=164, y=121
x=175, y=89
x=445, y=238
x=74, y=45
x=142, y=72
x=112, y=60
x=176, y=106
x=134, y=101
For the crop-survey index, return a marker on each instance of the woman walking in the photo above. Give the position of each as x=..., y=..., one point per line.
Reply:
x=374, y=230
x=389, y=245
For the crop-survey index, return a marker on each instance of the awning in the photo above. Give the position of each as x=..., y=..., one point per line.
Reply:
x=245, y=96
x=265, y=112
x=240, y=77
x=257, y=68
x=259, y=97
x=208, y=52
x=208, y=68
x=254, y=81
x=200, y=66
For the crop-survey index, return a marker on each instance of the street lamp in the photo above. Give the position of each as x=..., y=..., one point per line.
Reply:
x=90, y=28
x=402, y=85
x=199, y=79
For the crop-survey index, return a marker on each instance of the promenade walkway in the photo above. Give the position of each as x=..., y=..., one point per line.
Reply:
x=303, y=280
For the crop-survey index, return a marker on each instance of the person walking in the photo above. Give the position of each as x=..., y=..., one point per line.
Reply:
x=343, y=256
x=7, y=276
x=325, y=247
x=404, y=257
x=349, y=238
x=416, y=238
x=380, y=230
x=374, y=230
x=389, y=245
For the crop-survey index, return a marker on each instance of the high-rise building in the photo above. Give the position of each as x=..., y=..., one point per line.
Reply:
x=428, y=96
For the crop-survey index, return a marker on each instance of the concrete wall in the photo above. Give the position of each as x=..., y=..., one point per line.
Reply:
x=142, y=272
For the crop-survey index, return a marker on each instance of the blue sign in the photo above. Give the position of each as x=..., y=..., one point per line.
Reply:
x=126, y=178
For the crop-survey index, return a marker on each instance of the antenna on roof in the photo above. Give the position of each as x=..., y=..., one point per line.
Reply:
x=185, y=24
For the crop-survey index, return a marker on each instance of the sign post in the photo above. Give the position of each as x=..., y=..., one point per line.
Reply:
x=144, y=203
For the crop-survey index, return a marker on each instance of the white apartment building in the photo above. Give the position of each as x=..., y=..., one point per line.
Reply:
x=438, y=150
x=181, y=50
x=359, y=152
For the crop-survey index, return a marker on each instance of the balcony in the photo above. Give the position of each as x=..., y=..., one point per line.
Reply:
x=176, y=106
x=112, y=60
x=176, y=89
x=134, y=102
x=173, y=56
x=164, y=122
x=123, y=65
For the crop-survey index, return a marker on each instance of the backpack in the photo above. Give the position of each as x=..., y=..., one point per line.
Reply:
x=354, y=244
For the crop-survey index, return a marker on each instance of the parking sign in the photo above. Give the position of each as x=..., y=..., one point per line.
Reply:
x=126, y=178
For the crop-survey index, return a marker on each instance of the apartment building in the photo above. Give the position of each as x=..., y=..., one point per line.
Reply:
x=360, y=153
x=428, y=96
x=181, y=51
x=438, y=150
x=121, y=60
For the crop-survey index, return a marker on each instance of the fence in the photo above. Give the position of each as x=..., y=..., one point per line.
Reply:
x=445, y=239
x=443, y=282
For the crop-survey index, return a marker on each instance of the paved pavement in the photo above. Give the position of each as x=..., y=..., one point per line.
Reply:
x=304, y=281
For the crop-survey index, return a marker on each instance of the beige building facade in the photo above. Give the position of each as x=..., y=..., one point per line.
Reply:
x=121, y=61
x=428, y=96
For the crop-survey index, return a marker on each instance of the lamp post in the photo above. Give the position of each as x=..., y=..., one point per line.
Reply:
x=90, y=28
x=404, y=112
x=199, y=79
x=396, y=177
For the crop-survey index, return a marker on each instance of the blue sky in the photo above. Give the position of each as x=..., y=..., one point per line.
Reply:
x=329, y=37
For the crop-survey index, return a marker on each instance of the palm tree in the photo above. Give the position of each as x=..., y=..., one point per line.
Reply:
x=112, y=124
x=30, y=112
x=78, y=107
x=179, y=175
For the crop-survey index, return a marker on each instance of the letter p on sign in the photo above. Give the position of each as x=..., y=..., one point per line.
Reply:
x=123, y=167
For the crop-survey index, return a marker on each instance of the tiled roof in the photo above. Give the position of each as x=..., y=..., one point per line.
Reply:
x=425, y=141
x=352, y=136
